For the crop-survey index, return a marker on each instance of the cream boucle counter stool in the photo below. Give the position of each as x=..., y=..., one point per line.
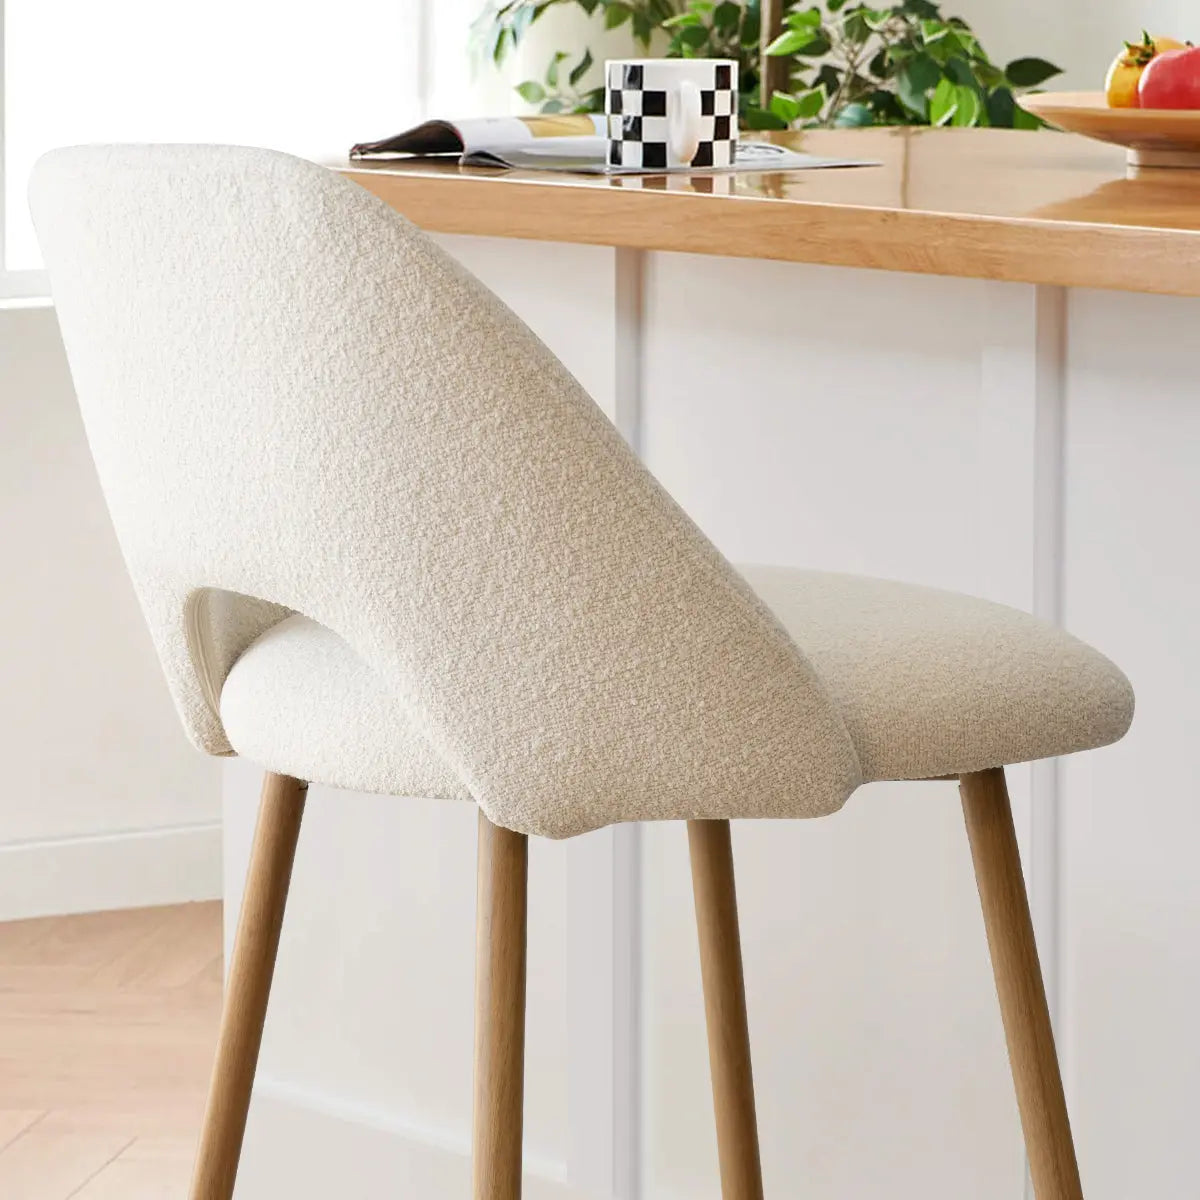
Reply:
x=384, y=541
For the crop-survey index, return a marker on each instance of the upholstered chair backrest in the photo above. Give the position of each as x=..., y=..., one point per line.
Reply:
x=298, y=403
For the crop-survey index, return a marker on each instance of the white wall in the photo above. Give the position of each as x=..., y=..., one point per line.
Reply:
x=105, y=804
x=1081, y=36
x=1131, y=888
x=803, y=442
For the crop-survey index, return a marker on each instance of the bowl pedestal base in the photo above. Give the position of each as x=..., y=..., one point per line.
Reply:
x=1165, y=158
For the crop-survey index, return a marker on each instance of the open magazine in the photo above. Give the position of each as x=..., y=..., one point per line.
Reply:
x=566, y=142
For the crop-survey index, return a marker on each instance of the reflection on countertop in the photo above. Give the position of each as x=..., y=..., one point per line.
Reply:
x=1040, y=207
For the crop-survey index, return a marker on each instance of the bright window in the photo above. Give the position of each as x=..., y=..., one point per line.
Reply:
x=309, y=76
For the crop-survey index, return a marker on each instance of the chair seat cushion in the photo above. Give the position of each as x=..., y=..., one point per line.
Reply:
x=937, y=683
x=928, y=683
x=302, y=703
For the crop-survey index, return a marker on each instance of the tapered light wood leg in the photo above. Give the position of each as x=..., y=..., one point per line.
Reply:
x=249, y=986
x=725, y=1008
x=1020, y=988
x=500, y=926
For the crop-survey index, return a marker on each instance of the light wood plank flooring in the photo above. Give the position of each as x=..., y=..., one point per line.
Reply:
x=107, y=1027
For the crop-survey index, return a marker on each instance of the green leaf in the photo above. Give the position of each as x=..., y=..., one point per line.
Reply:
x=760, y=118
x=960, y=71
x=804, y=18
x=1000, y=108
x=683, y=19
x=553, y=106
x=531, y=91
x=1026, y=120
x=830, y=78
x=943, y=103
x=855, y=26
x=727, y=16
x=914, y=81
x=581, y=68
x=1030, y=72
x=818, y=48
x=694, y=36
x=887, y=109
x=854, y=116
x=988, y=75
x=967, y=107
x=810, y=103
x=751, y=29
x=967, y=39
x=792, y=41
x=616, y=14
x=592, y=101
x=522, y=19
x=923, y=71
x=502, y=46
x=552, y=69
x=785, y=107
x=945, y=47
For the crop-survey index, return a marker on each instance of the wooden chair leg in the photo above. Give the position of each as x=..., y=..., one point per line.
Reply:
x=1019, y=985
x=725, y=1008
x=500, y=939
x=249, y=986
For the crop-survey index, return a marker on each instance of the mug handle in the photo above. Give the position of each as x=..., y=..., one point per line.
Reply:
x=683, y=121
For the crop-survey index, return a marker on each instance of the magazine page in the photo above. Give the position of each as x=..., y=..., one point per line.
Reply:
x=564, y=142
x=589, y=156
x=482, y=135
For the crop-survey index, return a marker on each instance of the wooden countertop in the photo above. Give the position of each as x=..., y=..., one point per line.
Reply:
x=988, y=203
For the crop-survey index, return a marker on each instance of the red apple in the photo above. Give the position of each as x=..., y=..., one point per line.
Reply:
x=1171, y=80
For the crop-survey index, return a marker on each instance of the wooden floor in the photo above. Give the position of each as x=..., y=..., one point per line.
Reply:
x=107, y=1026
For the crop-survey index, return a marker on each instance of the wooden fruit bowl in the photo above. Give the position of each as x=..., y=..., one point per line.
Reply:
x=1154, y=137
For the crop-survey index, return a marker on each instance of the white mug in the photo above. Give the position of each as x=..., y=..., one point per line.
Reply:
x=671, y=113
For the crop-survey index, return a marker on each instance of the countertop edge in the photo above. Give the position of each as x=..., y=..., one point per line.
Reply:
x=1051, y=252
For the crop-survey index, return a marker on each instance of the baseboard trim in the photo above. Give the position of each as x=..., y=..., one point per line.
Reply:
x=132, y=869
x=308, y=1145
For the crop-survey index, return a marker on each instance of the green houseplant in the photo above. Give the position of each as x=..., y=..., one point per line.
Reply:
x=845, y=63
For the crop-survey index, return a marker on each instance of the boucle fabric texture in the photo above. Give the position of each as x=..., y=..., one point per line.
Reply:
x=928, y=682
x=934, y=683
x=383, y=540
x=297, y=403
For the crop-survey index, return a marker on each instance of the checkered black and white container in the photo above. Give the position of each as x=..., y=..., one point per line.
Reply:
x=669, y=113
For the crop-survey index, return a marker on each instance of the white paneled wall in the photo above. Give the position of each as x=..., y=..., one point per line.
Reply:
x=799, y=441
x=1131, y=886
